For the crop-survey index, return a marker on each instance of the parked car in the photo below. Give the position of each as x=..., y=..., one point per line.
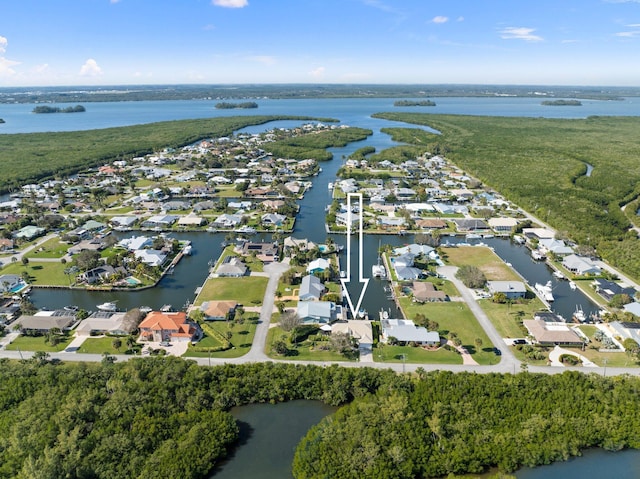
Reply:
x=497, y=352
x=165, y=343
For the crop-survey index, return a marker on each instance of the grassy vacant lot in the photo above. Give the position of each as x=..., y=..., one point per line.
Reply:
x=302, y=351
x=507, y=317
x=540, y=164
x=49, y=273
x=241, y=339
x=456, y=317
x=248, y=290
x=29, y=157
x=105, y=345
x=393, y=354
x=483, y=258
x=53, y=248
x=612, y=359
x=37, y=343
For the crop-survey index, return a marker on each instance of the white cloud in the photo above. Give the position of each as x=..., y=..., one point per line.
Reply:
x=40, y=69
x=520, y=33
x=440, y=19
x=264, y=59
x=90, y=69
x=6, y=64
x=460, y=19
x=230, y=3
x=627, y=34
x=317, y=72
x=114, y=1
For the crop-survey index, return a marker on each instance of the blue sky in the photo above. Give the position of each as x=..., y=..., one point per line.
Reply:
x=103, y=42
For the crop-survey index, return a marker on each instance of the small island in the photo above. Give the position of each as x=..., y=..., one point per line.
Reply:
x=561, y=103
x=230, y=106
x=414, y=103
x=55, y=109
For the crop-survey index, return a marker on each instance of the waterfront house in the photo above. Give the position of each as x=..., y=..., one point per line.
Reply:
x=555, y=246
x=359, y=330
x=511, y=289
x=123, y=221
x=101, y=273
x=44, y=321
x=608, y=289
x=227, y=221
x=272, y=219
x=191, y=220
x=549, y=334
x=311, y=288
x=102, y=322
x=318, y=265
x=152, y=257
x=10, y=283
x=265, y=252
x=232, y=267
x=135, y=243
x=218, y=310
x=502, y=225
x=473, y=224
x=303, y=244
x=317, y=312
x=580, y=265
x=633, y=308
x=625, y=330
x=431, y=224
x=159, y=221
x=405, y=331
x=423, y=292
x=166, y=326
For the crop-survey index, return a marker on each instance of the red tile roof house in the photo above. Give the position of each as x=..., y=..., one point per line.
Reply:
x=170, y=326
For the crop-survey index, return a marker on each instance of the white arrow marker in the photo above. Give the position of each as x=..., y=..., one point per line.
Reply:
x=364, y=281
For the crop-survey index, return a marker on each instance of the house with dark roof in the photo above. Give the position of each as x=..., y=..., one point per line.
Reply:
x=232, y=267
x=608, y=289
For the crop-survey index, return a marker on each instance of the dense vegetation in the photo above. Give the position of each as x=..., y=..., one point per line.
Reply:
x=55, y=109
x=166, y=417
x=541, y=165
x=561, y=103
x=315, y=145
x=303, y=91
x=225, y=105
x=30, y=157
x=464, y=423
x=152, y=417
x=414, y=103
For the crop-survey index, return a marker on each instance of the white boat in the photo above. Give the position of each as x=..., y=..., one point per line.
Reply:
x=573, y=285
x=187, y=250
x=379, y=271
x=545, y=290
x=108, y=306
x=519, y=239
x=558, y=274
x=166, y=308
x=579, y=315
x=330, y=186
x=472, y=236
x=537, y=255
x=343, y=274
x=145, y=309
x=247, y=230
x=362, y=313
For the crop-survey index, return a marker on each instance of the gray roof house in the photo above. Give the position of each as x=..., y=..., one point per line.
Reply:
x=317, y=312
x=405, y=331
x=311, y=288
x=231, y=267
x=580, y=265
x=511, y=289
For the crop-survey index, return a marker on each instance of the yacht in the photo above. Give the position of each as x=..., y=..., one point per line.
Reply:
x=573, y=285
x=545, y=290
x=538, y=255
x=187, y=250
x=108, y=306
x=578, y=315
x=558, y=274
x=378, y=270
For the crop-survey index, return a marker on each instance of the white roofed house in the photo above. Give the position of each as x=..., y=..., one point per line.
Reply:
x=502, y=225
x=151, y=257
x=227, y=221
x=273, y=219
x=405, y=331
x=580, y=265
x=317, y=312
x=555, y=246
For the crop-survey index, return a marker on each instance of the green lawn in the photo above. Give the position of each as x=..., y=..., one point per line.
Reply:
x=37, y=343
x=102, y=345
x=302, y=351
x=241, y=340
x=456, y=317
x=506, y=317
x=52, y=248
x=248, y=290
x=483, y=258
x=393, y=354
x=40, y=273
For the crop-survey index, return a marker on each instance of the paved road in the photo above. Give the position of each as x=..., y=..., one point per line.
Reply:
x=5, y=260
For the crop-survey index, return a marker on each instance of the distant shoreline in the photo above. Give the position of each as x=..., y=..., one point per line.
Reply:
x=54, y=109
x=562, y=103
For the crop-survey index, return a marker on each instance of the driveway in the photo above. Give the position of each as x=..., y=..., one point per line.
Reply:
x=508, y=362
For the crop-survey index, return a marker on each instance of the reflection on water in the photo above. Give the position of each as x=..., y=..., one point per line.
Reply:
x=269, y=434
